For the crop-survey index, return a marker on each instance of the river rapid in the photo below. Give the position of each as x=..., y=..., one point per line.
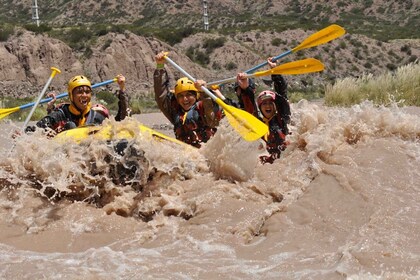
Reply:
x=342, y=203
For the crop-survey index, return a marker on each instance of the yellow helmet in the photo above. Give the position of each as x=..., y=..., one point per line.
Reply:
x=75, y=82
x=185, y=84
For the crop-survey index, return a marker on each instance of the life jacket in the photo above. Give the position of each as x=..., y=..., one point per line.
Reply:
x=276, y=138
x=97, y=114
x=246, y=98
x=190, y=128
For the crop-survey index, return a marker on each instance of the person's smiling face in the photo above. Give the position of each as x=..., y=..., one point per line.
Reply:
x=81, y=97
x=186, y=99
x=267, y=108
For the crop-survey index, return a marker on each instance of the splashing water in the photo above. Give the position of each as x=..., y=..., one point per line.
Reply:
x=341, y=203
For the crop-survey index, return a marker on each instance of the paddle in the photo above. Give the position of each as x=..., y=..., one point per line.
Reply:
x=321, y=37
x=54, y=71
x=249, y=127
x=7, y=111
x=303, y=66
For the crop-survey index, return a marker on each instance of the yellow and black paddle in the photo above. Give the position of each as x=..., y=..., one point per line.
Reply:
x=308, y=65
x=4, y=112
x=321, y=37
x=248, y=126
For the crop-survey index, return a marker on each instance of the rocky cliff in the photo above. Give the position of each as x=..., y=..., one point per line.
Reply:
x=27, y=57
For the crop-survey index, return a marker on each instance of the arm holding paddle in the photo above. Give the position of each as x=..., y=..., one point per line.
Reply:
x=193, y=114
x=123, y=108
x=51, y=103
x=245, y=91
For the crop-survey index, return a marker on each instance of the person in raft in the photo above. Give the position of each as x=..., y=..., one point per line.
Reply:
x=275, y=139
x=275, y=112
x=195, y=118
x=80, y=110
x=245, y=90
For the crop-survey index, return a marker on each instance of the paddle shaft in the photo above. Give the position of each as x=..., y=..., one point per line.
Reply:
x=274, y=59
x=249, y=71
x=228, y=80
x=53, y=73
x=64, y=94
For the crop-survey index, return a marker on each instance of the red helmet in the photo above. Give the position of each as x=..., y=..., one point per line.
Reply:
x=266, y=94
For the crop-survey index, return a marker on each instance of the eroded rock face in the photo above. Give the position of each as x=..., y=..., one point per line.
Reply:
x=27, y=59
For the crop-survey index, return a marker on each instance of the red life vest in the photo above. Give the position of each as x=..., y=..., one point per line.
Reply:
x=190, y=128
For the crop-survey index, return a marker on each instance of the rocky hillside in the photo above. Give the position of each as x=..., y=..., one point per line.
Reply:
x=222, y=13
x=241, y=36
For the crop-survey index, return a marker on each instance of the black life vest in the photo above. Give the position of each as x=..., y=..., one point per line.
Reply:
x=66, y=120
x=276, y=138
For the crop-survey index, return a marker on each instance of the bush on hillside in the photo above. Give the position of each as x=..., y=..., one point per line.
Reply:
x=5, y=31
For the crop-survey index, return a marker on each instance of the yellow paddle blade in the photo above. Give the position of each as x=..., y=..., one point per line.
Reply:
x=108, y=132
x=5, y=112
x=303, y=66
x=248, y=126
x=321, y=37
x=159, y=135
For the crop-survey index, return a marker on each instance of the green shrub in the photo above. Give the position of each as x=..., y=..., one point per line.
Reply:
x=231, y=65
x=174, y=36
x=190, y=52
x=78, y=35
x=42, y=28
x=391, y=66
x=202, y=58
x=276, y=42
x=412, y=58
x=211, y=44
x=406, y=49
x=368, y=65
x=216, y=66
x=88, y=52
x=107, y=98
x=5, y=32
x=106, y=44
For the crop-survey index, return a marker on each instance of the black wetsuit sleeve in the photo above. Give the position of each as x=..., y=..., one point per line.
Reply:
x=123, y=107
x=282, y=101
x=246, y=98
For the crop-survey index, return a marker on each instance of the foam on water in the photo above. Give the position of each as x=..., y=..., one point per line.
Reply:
x=342, y=202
